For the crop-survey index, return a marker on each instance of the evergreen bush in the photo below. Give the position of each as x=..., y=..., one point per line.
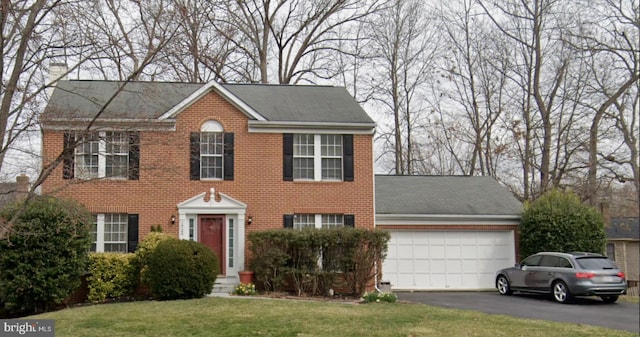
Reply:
x=146, y=248
x=559, y=221
x=181, y=269
x=44, y=255
x=111, y=276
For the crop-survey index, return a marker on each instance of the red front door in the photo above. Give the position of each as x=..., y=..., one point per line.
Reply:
x=212, y=235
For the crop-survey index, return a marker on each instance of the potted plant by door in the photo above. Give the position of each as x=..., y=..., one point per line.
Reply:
x=246, y=276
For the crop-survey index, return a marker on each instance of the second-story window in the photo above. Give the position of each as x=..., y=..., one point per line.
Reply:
x=108, y=154
x=87, y=156
x=211, y=153
x=318, y=157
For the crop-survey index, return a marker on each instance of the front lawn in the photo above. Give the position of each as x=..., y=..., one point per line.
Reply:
x=270, y=317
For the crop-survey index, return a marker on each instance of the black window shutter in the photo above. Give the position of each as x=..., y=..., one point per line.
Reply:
x=349, y=220
x=132, y=233
x=347, y=157
x=68, y=152
x=228, y=156
x=194, y=159
x=134, y=156
x=287, y=144
x=288, y=221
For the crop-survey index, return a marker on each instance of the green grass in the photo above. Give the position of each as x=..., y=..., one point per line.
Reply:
x=270, y=317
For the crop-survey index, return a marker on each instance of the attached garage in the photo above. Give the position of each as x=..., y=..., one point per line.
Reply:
x=447, y=232
x=442, y=260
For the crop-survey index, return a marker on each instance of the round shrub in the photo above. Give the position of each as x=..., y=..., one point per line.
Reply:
x=145, y=248
x=181, y=269
x=44, y=254
x=559, y=221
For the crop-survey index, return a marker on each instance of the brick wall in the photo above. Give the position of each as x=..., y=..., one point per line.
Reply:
x=164, y=176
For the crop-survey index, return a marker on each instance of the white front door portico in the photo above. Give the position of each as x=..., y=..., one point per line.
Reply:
x=217, y=220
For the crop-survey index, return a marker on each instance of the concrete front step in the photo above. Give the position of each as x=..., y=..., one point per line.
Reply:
x=223, y=288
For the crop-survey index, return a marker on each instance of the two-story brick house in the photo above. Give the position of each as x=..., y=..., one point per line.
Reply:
x=209, y=162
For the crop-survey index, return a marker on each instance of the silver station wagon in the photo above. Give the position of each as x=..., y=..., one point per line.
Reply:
x=564, y=275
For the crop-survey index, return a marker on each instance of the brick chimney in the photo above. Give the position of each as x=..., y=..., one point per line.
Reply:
x=23, y=184
x=57, y=72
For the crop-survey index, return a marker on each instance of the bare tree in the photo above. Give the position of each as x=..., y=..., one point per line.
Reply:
x=404, y=48
x=609, y=40
x=43, y=31
x=296, y=39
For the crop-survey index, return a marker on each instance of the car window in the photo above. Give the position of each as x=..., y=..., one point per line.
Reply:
x=596, y=262
x=563, y=263
x=549, y=261
x=532, y=261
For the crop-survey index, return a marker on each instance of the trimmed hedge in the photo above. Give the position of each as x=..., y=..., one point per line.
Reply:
x=45, y=254
x=111, y=276
x=559, y=221
x=181, y=269
x=315, y=261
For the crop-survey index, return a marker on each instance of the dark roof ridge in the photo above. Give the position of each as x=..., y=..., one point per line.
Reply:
x=285, y=85
x=131, y=81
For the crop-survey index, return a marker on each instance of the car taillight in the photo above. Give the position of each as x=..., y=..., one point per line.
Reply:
x=621, y=275
x=585, y=275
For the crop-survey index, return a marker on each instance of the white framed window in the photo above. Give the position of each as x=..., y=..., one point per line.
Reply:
x=109, y=233
x=117, y=154
x=211, y=145
x=211, y=150
x=102, y=154
x=331, y=157
x=87, y=156
x=317, y=221
x=317, y=157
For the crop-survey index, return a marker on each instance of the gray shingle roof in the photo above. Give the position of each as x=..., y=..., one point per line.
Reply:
x=139, y=100
x=301, y=103
x=150, y=100
x=623, y=228
x=443, y=195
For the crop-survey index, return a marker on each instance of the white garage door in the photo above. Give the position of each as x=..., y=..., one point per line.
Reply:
x=447, y=260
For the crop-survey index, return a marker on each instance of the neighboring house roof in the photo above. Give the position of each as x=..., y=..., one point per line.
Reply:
x=444, y=196
x=623, y=228
x=275, y=105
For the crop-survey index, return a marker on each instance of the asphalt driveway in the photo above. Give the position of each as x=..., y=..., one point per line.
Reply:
x=590, y=311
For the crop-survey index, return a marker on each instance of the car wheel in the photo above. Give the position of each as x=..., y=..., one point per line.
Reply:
x=503, y=285
x=560, y=292
x=609, y=299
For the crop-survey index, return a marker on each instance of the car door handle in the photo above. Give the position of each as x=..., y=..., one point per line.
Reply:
x=549, y=273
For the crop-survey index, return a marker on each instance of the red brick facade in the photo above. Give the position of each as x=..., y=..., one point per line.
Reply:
x=258, y=176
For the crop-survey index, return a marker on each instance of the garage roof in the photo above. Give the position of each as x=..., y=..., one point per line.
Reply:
x=443, y=195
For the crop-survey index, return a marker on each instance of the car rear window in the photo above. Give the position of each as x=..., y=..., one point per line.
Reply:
x=596, y=262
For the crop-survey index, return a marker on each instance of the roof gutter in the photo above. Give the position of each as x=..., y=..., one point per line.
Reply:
x=306, y=127
x=106, y=124
x=446, y=219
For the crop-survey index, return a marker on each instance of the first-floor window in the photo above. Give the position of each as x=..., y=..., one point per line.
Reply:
x=317, y=221
x=109, y=233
